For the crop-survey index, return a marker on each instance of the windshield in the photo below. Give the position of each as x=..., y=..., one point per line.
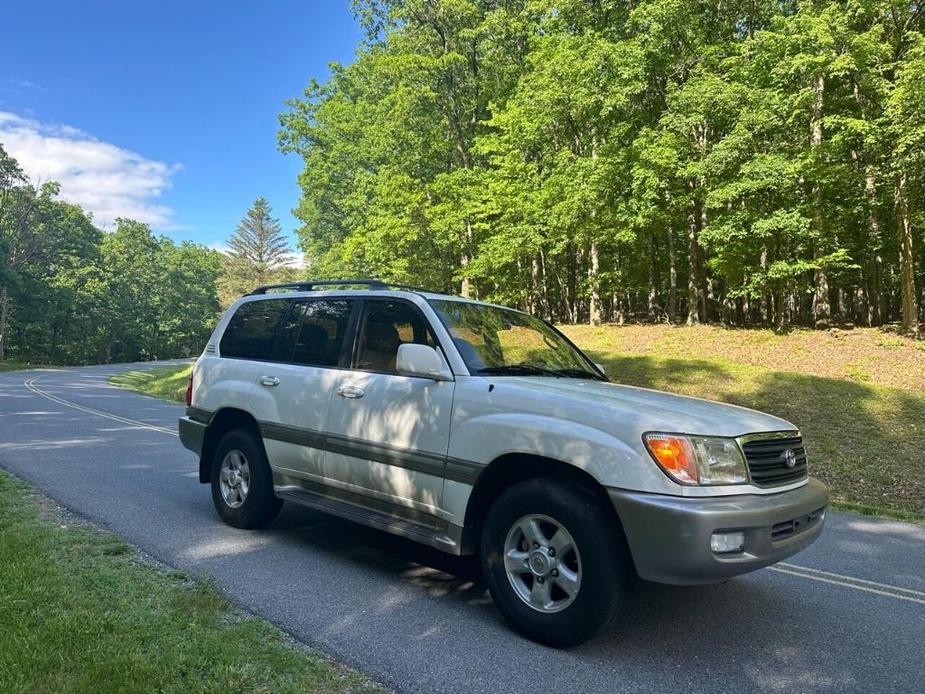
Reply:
x=493, y=340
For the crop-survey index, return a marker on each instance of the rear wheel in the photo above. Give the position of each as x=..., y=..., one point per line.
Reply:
x=242, y=483
x=555, y=561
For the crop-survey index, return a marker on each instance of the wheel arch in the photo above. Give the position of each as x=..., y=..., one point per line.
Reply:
x=510, y=469
x=221, y=423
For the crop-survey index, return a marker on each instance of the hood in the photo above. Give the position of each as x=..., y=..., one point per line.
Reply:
x=642, y=409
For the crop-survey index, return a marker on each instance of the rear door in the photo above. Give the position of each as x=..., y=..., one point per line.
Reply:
x=388, y=434
x=247, y=344
x=294, y=390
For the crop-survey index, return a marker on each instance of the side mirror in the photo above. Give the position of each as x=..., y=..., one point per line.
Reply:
x=421, y=360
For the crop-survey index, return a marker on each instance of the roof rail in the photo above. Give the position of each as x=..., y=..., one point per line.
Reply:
x=311, y=285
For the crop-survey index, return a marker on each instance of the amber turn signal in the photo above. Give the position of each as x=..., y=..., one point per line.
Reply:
x=675, y=456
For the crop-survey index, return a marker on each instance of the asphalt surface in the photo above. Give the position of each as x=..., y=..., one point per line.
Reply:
x=847, y=614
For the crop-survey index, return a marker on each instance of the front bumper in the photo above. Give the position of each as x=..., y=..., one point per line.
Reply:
x=192, y=434
x=669, y=536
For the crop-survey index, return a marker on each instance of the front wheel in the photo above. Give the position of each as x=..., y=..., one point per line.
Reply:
x=242, y=483
x=555, y=561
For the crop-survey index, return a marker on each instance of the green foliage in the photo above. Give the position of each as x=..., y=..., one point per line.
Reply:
x=258, y=254
x=580, y=158
x=72, y=294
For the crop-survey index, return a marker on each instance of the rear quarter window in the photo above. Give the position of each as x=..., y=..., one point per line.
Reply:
x=252, y=330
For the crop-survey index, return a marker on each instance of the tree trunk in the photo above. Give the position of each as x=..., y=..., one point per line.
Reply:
x=874, y=300
x=571, y=282
x=876, y=309
x=861, y=306
x=708, y=297
x=466, y=285
x=4, y=315
x=908, y=304
x=618, y=315
x=672, y=278
x=594, y=308
x=780, y=312
x=654, y=281
x=594, y=305
x=693, y=258
x=822, y=311
x=764, y=306
x=842, y=303
x=534, y=287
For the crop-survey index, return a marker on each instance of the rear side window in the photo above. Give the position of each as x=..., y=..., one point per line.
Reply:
x=386, y=326
x=251, y=332
x=314, y=332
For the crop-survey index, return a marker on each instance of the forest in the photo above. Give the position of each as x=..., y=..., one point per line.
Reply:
x=744, y=162
x=738, y=162
x=71, y=293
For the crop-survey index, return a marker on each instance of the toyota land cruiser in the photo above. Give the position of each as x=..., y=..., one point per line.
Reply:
x=476, y=428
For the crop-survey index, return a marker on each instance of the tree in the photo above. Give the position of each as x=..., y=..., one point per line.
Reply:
x=586, y=160
x=907, y=108
x=258, y=254
x=72, y=294
x=11, y=177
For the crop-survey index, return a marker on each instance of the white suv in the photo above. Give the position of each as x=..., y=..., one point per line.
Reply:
x=476, y=428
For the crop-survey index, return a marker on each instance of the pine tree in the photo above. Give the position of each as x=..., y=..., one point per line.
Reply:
x=258, y=246
x=257, y=250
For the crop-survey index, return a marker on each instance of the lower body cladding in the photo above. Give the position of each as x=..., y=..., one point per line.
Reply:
x=192, y=434
x=689, y=541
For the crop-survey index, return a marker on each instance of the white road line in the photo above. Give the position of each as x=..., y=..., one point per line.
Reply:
x=832, y=574
x=784, y=568
x=30, y=384
x=897, y=596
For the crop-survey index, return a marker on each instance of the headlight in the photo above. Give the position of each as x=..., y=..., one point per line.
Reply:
x=698, y=459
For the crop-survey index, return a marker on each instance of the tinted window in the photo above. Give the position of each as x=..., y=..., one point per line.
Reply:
x=314, y=332
x=387, y=325
x=251, y=332
x=494, y=340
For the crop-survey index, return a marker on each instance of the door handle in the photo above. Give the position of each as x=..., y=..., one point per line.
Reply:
x=351, y=392
x=269, y=381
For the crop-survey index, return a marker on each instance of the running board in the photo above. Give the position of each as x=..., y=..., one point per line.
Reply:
x=439, y=539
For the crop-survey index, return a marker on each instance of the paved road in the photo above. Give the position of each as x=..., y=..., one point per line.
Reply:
x=848, y=614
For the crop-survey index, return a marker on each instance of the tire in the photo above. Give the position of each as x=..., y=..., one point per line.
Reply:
x=600, y=561
x=247, y=500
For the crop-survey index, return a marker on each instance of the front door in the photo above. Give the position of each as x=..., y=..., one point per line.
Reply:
x=388, y=434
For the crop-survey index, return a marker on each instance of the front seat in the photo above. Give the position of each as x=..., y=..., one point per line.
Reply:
x=380, y=347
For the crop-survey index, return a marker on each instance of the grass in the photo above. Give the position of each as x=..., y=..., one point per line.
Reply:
x=7, y=365
x=167, y=382
x=858, y=396
x=865, y=436
x=83, y=612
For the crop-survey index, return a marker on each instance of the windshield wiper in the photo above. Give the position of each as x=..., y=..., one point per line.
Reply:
x=515, y=370
x=578, y=373
x=533, y=370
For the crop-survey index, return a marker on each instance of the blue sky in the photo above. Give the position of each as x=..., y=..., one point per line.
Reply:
x=165, y=111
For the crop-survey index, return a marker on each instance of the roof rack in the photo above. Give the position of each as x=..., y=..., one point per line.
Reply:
x=311, y=285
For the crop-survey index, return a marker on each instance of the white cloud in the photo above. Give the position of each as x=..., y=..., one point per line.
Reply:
x=105, y=180
x=296, y=260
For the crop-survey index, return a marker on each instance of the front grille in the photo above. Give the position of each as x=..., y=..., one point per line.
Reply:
x=768, y=460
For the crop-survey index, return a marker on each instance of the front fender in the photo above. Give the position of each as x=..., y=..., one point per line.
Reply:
x=610, y=461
